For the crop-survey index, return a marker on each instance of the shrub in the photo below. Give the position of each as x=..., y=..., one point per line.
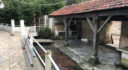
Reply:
x=45, y=33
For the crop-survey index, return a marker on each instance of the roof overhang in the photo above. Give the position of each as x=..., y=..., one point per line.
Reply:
x=94, y=8
x=109, y=12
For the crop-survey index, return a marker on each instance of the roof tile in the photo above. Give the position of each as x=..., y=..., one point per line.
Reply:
x=89, y=6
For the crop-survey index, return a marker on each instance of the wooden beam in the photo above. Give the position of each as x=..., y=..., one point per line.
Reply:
x=114, y=12
x=96, y=39
x=93, y=20
x=90, y=23
x=66, y=29
x=104, y=24
x=64, y=21
x=69, y=22
x=109, y=12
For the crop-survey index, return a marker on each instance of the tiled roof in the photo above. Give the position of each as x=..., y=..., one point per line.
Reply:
x=93, y=5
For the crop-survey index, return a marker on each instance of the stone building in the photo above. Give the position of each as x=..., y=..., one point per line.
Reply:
x=113, y=30
x=81, y=30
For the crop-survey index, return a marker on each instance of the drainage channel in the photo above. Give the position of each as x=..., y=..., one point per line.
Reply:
x=63, y=61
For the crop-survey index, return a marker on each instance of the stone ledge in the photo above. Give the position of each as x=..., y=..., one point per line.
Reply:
x=122, y=50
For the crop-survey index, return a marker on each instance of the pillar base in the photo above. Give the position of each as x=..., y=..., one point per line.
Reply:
x=94, y=60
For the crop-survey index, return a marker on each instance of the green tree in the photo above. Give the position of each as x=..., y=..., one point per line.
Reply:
x=70, y=2
x=27, y=9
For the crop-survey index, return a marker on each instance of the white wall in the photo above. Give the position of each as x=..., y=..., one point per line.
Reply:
x=17, y=29
x=5, y=28
x=31, y=29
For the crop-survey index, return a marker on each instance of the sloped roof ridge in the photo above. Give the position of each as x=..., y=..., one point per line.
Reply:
x=92, y=5
x=71, y=5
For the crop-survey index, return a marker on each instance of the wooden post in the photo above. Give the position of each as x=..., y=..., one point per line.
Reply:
x=67, y=23
x=96, y=39
x=66, y=31
x=48, y=61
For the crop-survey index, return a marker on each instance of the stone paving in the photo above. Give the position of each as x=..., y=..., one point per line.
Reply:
x=11, y=53
x=81, y=52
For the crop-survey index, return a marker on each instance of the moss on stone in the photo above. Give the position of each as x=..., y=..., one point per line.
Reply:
x=124, y=62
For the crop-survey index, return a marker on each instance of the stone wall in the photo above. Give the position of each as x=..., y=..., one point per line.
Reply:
x=114, y=32
x=88, y=33
x=58, y=26
x=111, y=29
x=124, y=35
x=110, y=33
x=5, y=28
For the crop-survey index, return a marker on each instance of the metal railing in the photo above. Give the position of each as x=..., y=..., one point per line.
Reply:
x=50, y=57
x=28, y=54
x=49, y=61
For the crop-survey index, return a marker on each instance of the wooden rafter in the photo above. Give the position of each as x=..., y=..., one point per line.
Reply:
x=69, y=22
x=104, y=24
x=90, y=23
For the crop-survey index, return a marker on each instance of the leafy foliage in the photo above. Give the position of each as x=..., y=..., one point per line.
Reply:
x=70, y=2
x=27, y=9
x=45, y=33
